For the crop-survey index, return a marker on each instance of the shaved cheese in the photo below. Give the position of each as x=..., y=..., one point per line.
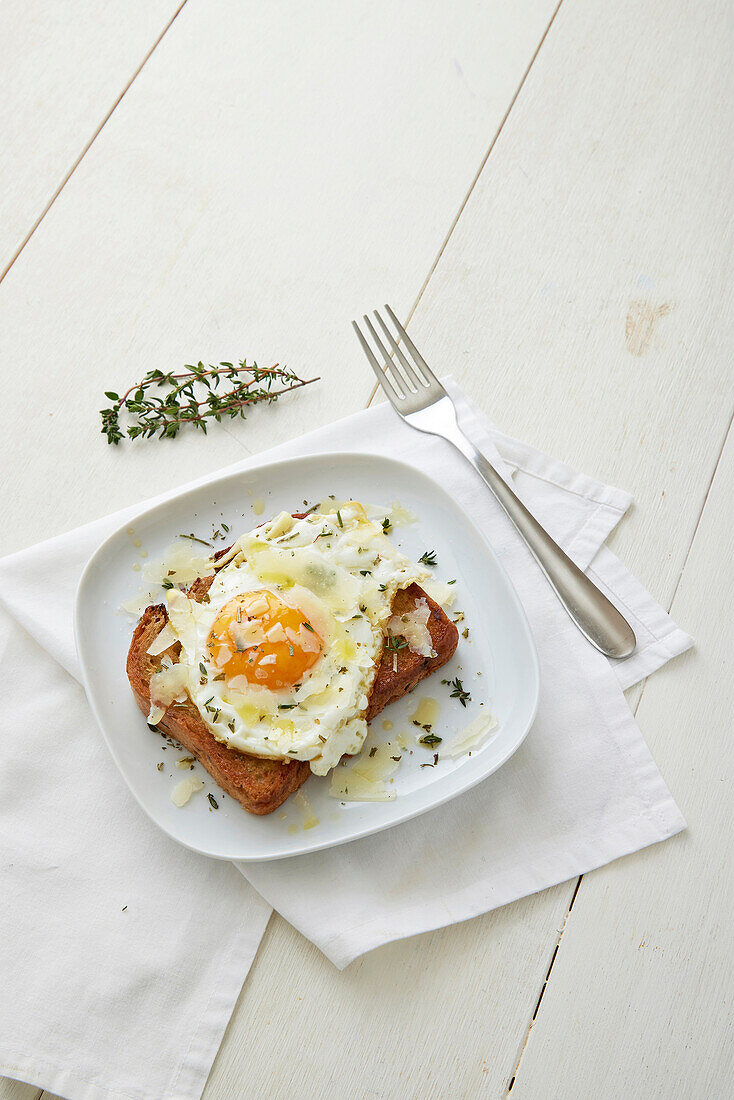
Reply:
x=364, y=780
x=308, y=640
x=183, y=791
x=279, y=525
x=413, y=627
x=136, y=605
x=258, y=605
x=401, y=516
x=165, y=639
x=276, y=633
x=348, y=510
x=378, y=763
x=238, y=684
x=166, y=687
x=472, y=736
x=444, y=594
x=181, y=564
x=224, y=653
x=347, y=786
x=246, y=634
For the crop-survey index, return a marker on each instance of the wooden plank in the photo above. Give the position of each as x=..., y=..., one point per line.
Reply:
x=489, y=281
x=247, y=188
x=62, y=69
x=639, y=1002
x=434, y=1016
x=267, y=175
x=16, y=1090
x=585, y=297
x=539, y=294
x=472, y=320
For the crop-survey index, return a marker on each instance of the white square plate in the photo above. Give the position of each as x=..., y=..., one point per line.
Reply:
x=497, y=663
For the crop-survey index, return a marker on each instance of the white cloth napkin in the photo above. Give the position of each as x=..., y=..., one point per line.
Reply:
x=122, y=954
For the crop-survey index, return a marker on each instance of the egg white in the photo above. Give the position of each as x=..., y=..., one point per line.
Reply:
x=341, y=571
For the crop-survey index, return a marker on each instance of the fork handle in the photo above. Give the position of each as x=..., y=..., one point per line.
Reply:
x=595, y=616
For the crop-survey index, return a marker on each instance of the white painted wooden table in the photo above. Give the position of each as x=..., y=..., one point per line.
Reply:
x=542, y=188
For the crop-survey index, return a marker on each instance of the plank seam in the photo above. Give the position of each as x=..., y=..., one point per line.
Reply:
x=636, y=708
x=700, y=515
x=91, y=141
x=544, y=986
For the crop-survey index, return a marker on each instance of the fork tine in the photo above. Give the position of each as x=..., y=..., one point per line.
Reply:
x=413, y=376
x=429, y=375
x=383, y=378
x=395, y=373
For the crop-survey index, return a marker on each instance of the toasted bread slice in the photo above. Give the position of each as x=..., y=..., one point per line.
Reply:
x=262, y=785
x=395, y=678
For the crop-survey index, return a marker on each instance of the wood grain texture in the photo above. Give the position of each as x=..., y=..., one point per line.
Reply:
x=585, y=298
x=267, y=174
x=476, y=320
x=248, y=196
x=16, y=1090
x=426, y=1018
x=540, y=291
x=605, y=189
x=639, y=1003
x=62, y=68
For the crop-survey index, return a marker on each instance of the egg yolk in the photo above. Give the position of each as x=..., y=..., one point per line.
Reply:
x=257, y=636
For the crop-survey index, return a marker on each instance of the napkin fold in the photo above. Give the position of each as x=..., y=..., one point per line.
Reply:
x=122, y=954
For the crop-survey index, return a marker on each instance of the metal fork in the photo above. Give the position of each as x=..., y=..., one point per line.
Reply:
x=419, y=398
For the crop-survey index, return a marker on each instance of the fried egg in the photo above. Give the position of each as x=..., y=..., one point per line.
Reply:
x=279, y=660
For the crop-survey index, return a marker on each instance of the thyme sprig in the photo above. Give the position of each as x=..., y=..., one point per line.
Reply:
x=191, y=397
x=458, y=691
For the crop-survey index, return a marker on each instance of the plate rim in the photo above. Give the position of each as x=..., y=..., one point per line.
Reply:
x=334, y=456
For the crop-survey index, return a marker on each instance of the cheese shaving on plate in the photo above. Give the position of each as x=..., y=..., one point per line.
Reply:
x=183, y=791
x=400, y=516
x=354, y=788
x=440, y=591
x=472, y=736
x=365, y=779
x=136, y=605
x=181, y=564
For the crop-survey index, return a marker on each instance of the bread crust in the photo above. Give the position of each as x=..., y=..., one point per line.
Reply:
x=262, y=785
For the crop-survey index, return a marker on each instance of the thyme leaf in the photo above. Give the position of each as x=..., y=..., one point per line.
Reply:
x=194, y=538
x=458, y=691
x=430, y=739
